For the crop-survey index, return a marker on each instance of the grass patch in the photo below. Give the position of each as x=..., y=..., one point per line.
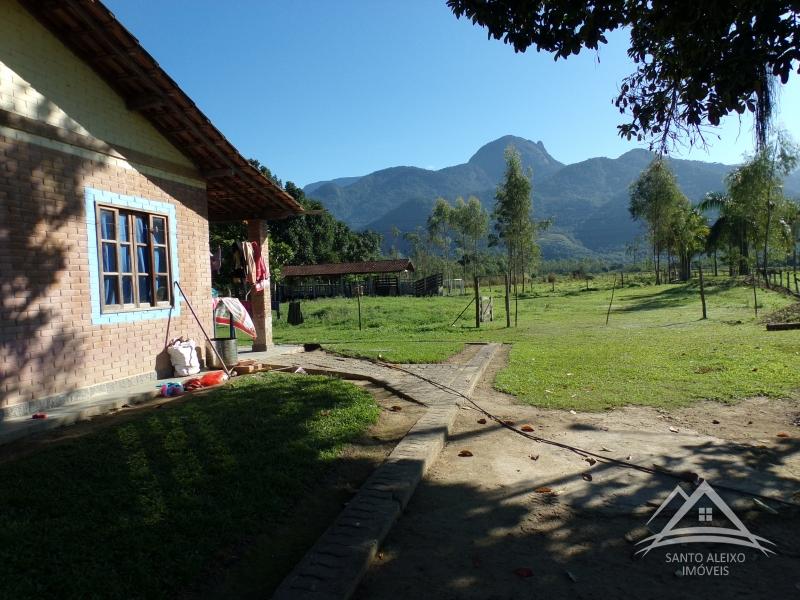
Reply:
x=141, y=508
x=655, y=350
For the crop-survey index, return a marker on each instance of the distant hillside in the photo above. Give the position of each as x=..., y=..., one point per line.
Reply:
x=586, y=201
x=340, y=181
x=369, y=198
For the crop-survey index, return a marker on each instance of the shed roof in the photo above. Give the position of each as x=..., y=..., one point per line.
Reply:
x=353, y=268
x=236, y=190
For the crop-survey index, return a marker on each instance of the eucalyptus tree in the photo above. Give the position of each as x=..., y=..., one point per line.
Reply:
x=439, y=227
x=756, y=189
x=654, y=199
x=471, y=221
x=512, y=212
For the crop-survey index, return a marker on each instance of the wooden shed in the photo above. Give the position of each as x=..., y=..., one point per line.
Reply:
x=376, y=278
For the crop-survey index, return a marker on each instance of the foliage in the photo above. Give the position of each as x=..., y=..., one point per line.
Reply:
x=755, y=212
x=695, y=61
x=471, y=222
x=439, y=229
x=688, y=233
x=655, y=198
x=425, y=261
x=512, y=214
x=142, y=508
x=587, y=201
x=306, y=239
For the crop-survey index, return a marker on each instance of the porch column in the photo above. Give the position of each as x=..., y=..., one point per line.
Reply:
x=261, y=301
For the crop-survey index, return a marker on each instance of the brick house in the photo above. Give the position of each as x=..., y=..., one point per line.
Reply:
x=109, y=176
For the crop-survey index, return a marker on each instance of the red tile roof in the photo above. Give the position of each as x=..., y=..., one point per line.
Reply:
x=354, y=268
x=236, y=190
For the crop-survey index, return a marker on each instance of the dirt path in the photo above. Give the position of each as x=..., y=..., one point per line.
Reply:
x=476, y=527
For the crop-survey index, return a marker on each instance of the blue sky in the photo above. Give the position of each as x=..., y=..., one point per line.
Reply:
x=318, y=89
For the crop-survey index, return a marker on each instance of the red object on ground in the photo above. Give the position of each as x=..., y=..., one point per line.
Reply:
x=213, y=378
x=523, y=572
x=192, y=384
x=38, y=415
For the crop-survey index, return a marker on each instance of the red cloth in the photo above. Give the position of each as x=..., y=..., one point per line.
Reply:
x=262, y=272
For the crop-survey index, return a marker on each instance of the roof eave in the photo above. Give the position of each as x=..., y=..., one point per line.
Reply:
x=94, y=34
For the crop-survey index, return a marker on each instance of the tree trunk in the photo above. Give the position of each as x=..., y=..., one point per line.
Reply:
x=731, y=264
x=508, y=300
x=702, y=289
x=744, y=254
x=657, y=263
x=477, y=302
x=766, y=240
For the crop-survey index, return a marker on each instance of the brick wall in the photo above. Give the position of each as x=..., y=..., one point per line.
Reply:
x=48, y=344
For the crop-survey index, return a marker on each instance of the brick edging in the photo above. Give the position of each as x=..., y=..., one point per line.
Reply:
x=337, y=562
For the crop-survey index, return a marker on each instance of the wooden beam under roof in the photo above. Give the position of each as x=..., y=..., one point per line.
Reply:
x=146, y=102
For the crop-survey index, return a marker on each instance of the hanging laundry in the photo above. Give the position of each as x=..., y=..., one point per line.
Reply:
x=216, y=261
x=238, y=263
x=262, y=271
x=249, y=262
x=225, y=308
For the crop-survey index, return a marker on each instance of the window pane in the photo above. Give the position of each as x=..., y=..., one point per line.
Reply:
x=110, y=289
x=125, y=259
x=160, y=255
x=107, y=225
x=127, y=290
x=162, y=289
x=159, y=230
x=144, y=289
x=123, y=228
x=109, y=257
x=141, y=229
x=142, y=259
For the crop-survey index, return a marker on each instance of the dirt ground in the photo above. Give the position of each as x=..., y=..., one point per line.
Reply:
x=478, y=528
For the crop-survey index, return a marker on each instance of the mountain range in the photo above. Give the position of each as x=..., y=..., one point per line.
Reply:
x=587, y=202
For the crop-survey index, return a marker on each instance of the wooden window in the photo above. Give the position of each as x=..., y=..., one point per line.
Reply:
x=134, y=260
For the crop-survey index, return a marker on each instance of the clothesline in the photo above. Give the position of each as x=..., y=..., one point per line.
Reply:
x=248, y=265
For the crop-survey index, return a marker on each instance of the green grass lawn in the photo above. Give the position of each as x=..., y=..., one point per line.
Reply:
x=141, y=508
x=656, y=350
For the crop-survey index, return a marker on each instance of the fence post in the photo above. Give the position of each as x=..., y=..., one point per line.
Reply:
x=702, y=289
x=358, y=299
x=508, y=305
x=608, y=314
x=477, y=304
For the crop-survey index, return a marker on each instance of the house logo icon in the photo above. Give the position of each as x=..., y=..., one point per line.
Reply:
x=738, y=534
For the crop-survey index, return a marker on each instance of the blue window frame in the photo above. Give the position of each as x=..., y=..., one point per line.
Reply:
x=133, y=258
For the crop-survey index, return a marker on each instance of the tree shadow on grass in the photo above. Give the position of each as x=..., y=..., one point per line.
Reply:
x=672, y=297
x=148, y=506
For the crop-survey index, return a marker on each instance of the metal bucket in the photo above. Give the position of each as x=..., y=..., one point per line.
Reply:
x=228, y=350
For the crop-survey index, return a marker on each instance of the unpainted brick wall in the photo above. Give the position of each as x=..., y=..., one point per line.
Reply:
x=48, y=344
